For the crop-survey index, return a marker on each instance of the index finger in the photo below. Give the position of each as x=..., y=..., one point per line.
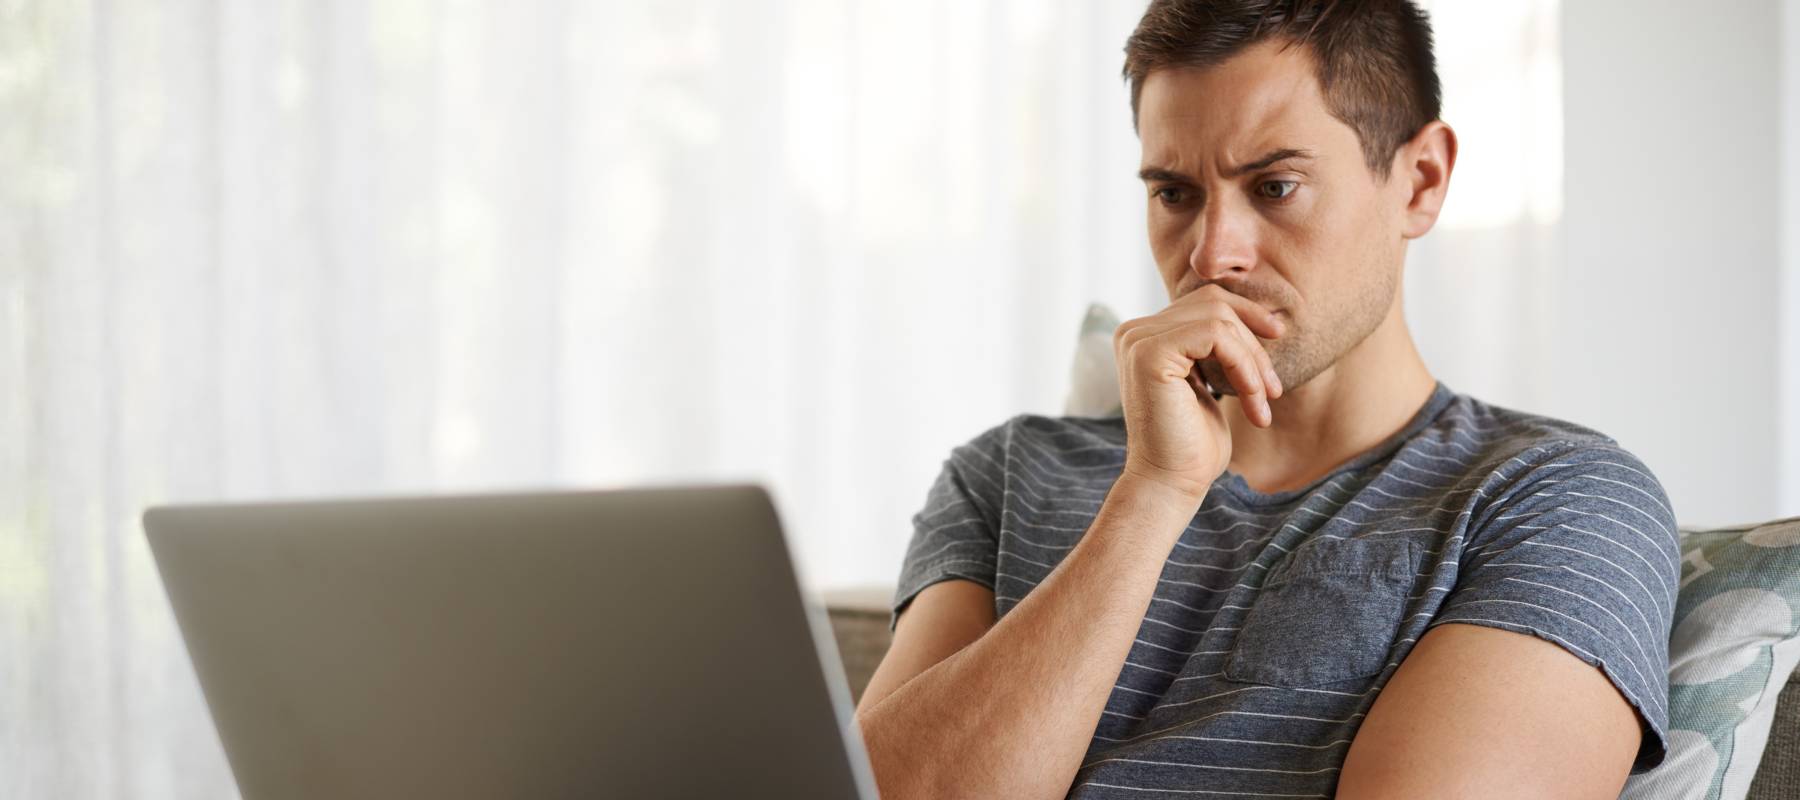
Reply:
x=1259, y=320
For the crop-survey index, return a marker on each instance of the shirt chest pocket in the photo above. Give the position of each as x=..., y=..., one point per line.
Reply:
x=1330, y=616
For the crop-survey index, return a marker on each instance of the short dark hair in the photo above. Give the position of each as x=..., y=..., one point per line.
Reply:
x=1373, y=57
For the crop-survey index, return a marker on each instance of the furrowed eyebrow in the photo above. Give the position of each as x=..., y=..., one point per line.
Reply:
x=1268, y=160
x=1274, y=156
x=1148, y=174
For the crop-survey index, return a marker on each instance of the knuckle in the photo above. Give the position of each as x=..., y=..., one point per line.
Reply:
x=1130, y=329
x=1121, y=336
x=1127, y=338
x=1137, y=353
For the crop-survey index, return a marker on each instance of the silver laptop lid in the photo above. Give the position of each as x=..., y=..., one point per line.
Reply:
x=628, y=643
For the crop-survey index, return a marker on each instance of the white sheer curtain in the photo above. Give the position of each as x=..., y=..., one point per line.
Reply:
x=307, y=248
x=1482, y=287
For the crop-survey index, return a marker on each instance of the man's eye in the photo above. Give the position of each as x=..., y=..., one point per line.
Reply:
x=1278, y=195
x=1171, y=195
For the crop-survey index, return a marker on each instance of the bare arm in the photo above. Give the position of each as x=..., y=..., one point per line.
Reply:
x=1010, y=714
x=1550, y=725
x=959, y=709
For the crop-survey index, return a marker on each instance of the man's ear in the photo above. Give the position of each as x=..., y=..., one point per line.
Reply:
x=1423, y=166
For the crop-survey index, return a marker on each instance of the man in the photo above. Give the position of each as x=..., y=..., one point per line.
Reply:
x=1299, y=565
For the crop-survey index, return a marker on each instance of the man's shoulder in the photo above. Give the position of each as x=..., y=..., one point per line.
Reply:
x=1541, y=459
x=1045, y=443
x=1509, y=438
x=1493, y=421
x=1057, y=434
x=1070, y=432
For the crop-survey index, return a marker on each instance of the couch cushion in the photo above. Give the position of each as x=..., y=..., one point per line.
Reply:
x=1732, y=651
x=1093, y=377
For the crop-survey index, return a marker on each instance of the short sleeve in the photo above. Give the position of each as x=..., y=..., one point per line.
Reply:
x=956, y=533
x=1580, y=549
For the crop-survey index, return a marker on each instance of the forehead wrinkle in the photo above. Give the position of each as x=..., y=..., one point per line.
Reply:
x=1260, y=120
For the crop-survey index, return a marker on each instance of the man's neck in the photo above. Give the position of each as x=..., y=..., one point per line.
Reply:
x=1372, y=392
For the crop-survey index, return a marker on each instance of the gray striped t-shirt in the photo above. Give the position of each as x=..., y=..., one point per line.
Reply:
x=1279, y=617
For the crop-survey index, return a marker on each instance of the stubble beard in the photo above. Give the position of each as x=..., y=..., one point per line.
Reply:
x=1305, y=351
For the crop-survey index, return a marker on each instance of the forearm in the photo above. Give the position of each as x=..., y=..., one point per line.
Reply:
x=1011, y=714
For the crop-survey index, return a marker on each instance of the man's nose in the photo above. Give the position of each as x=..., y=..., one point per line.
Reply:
x=1225, y=243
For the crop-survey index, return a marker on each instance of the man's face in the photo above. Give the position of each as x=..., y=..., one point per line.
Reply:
x=1315, y=239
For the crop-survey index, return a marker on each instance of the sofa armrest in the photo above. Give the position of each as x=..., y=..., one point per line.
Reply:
x=859, y=623
x=1778, y=775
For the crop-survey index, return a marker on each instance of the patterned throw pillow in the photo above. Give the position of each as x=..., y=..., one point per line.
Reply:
x=1093, y=380
x=1735, y=642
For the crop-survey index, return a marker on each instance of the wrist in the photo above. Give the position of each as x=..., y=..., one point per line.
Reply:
x=1145, y=514
x=1170, y=491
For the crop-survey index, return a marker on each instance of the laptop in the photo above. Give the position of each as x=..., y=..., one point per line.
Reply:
x=634, y=643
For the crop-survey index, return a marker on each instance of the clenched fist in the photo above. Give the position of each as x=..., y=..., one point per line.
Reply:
x=1176, y=433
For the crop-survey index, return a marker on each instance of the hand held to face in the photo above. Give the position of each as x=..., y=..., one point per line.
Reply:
x=1176, y=433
